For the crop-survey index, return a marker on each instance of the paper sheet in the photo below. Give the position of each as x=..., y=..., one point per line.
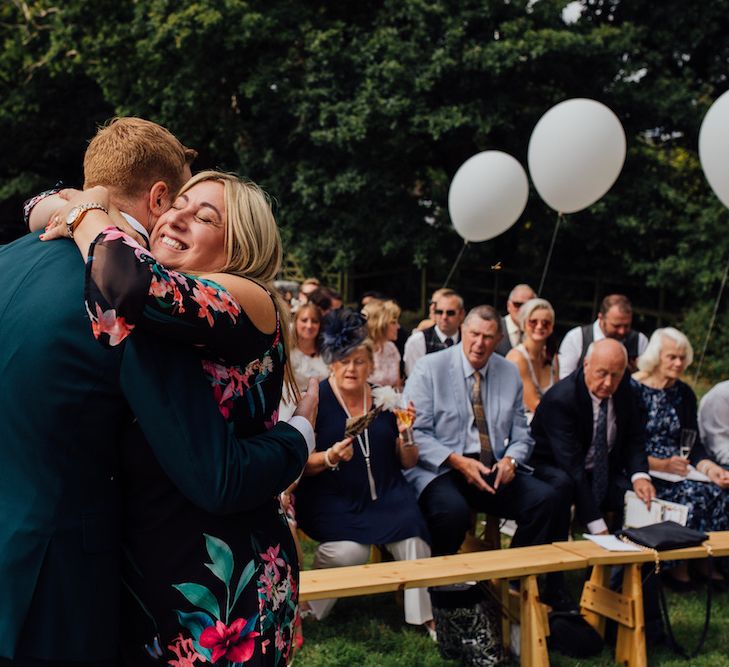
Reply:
x=693, y=474
x=611, y=543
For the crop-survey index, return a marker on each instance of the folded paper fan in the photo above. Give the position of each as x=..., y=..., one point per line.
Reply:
x=355, y=425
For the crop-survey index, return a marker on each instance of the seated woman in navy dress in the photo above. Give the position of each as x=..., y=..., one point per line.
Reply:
x=668, y=406
x=353, y=493
x=201, y=588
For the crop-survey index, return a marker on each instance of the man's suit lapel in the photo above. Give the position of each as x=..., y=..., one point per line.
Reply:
x=458, y=385
x=585, y=409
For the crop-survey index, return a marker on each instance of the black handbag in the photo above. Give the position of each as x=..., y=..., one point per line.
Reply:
x=664, y=536
x=468, y=625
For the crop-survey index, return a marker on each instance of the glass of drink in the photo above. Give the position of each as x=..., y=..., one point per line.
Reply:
x=688, y=438
x=404, y=418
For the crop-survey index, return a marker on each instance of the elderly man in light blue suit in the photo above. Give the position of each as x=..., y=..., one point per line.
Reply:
x=474, y=442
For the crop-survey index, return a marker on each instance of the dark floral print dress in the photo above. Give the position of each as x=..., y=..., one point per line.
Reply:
x=708, y=503
x=199, y=588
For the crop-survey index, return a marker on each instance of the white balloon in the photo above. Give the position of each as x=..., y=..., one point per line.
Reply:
x=576, y=153
x=487, y=195
x=714, y=147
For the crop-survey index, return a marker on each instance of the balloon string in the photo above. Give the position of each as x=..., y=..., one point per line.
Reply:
x=560, y=217
x=711, y=324
x=455, y=264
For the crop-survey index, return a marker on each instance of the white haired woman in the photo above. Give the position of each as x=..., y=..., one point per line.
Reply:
x=535, y=356
x=668, y=406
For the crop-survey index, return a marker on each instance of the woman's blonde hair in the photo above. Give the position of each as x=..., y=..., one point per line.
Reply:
x=530, y=306
x=379, y=314
x=649, y=360
x=252, y=244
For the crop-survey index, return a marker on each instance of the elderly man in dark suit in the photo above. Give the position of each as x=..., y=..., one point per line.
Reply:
x=65, y=407
x=588, y=425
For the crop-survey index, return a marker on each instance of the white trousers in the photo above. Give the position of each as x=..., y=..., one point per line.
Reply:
x=345, y=553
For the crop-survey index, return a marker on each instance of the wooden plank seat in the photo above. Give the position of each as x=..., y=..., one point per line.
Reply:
x=599, y=603
x=523, y=563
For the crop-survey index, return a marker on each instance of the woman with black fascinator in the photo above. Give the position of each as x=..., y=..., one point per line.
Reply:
x=353, y=493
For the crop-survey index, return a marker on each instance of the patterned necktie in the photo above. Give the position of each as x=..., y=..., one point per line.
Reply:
x=486, y=456
x=448, y=341
x=600, y=462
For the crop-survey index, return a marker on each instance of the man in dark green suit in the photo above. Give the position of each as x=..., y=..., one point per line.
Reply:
x=65, y=402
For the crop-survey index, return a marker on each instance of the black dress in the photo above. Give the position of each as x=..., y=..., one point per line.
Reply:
x=336, y=505
x=199, y=588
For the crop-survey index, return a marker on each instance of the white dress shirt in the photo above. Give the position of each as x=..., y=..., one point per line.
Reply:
x=714, y=422
x=473, y=444
x=415, y=347
x=570, y=350
x=513, y=331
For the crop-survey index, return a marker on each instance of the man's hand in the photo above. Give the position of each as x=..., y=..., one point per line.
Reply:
x=472, y=469
x=644, y=490
x=309, y=403
x=505, y=472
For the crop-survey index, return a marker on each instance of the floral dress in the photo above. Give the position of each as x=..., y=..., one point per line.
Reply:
x=708, y=504
x=199, y=588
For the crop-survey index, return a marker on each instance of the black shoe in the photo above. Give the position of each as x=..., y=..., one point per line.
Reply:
x=560, y=600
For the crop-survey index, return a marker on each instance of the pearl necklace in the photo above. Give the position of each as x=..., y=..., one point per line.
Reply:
x=364, y=444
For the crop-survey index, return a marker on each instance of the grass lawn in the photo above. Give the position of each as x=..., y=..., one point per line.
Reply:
x=371, y=632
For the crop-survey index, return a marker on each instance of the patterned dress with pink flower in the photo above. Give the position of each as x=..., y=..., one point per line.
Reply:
x=200, y=588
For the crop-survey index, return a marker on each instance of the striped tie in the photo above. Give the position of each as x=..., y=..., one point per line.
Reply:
x=479, y=415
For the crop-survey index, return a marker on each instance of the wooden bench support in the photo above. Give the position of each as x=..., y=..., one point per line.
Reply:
x=630, y=648
x=534, y=625
x=599, y=603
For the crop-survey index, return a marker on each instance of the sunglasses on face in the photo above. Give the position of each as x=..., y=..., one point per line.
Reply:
x=544, y=323
x=449, y=313
x=517, y=304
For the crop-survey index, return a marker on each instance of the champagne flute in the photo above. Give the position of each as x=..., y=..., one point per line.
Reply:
x=688, y=438
x=405, y=417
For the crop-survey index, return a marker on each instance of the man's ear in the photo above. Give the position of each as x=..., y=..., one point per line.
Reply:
x=159, y=198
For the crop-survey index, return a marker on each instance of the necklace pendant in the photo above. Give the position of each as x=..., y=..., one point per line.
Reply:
x=371, y=479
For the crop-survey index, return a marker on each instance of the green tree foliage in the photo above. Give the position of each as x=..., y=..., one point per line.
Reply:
x=355, y=116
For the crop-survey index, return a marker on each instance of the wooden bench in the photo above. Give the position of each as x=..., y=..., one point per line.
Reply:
x=523, y=563
x=598, y=603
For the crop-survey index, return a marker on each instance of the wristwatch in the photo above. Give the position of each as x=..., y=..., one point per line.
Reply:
x=77, y=213
x=513, y=462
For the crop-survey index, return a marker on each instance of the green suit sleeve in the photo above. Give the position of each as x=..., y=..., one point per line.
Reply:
x=195, y=446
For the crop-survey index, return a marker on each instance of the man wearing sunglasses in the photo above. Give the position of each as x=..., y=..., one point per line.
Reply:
x=448, y=315
x=511, y=333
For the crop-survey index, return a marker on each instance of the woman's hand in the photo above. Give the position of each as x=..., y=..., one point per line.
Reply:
x=716, y=474
x=57, y=226
x=676, y=465
x=341, y=451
